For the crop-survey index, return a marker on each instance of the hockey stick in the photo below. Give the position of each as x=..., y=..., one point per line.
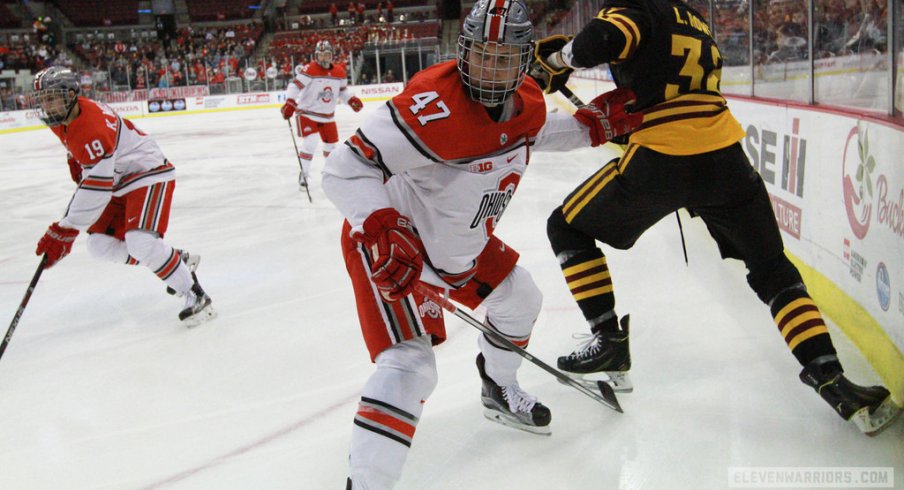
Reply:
x=13, y=324
x=571, y=96
x=606, y=396
x=303, y=178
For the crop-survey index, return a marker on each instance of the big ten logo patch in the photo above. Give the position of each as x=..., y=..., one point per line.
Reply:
x=786, y=175
x=429, y=309
x=481, y=167
x=493, y=203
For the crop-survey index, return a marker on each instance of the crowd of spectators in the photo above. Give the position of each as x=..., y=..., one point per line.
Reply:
x=194, y=56
x=780, y=29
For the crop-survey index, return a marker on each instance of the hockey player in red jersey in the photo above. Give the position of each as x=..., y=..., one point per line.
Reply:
x=125, y=188
x=425, y=180
x=312, y=98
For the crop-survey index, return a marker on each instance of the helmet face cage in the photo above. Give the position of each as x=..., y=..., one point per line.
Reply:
x=495, y=49
x=323, y=53
x=54, y=95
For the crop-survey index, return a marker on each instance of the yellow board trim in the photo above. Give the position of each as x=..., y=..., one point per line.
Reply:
x=181, y=113
x=859, y=326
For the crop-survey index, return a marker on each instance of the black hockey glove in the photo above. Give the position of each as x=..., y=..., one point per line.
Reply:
x=550, y=78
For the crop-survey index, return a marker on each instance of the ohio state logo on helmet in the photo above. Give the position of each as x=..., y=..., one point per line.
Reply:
x=494, y=49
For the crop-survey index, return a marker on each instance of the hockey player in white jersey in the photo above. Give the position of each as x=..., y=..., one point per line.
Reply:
x=425, y=180
x=125, y=188
x=312, y=98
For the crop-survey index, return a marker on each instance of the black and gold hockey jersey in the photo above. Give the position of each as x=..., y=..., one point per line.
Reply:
x=663, y=50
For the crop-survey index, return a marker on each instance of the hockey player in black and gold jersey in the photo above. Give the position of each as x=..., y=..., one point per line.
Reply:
x=686, y=154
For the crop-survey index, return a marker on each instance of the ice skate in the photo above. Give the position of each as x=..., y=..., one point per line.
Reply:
x=871, y=408
x=198, y=307
x=302, y=180
x=511, y=406
x=603, y=356
x=190, y=260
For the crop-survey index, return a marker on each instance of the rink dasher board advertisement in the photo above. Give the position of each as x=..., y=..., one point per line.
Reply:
x=837, y=188
x=14, y=121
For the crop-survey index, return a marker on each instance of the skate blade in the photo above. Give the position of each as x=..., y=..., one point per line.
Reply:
x=203, y=316
x=872, y=424
x=618, y=380
x=502, y=419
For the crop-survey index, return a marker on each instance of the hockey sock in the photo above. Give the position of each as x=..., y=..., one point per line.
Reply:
x=163, y=260
x=801, y=324
x=391, y=403
x=587, y=275
x=305, y=162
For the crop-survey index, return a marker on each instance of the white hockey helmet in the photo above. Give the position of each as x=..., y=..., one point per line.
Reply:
x=55, y=93
x=323, y=53
x=494, y=49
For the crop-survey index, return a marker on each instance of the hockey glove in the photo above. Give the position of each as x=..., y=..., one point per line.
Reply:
x=75, y=170
x=56, y=243
x=550, y=77
x=606, y=117
x=395, y=253
x=355, y=103
x=288, y=109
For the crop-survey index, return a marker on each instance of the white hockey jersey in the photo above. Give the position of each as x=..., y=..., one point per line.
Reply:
x=317, y=89
x=116, y=158
x=436, y=156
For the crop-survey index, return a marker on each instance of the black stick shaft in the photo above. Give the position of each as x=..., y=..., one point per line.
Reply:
x=300, y=165
x=606, y=397
x=13, y=324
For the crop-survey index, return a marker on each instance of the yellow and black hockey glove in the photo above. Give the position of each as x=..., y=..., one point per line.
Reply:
x=550, y=78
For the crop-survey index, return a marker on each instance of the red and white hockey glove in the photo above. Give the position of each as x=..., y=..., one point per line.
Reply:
x=56, y=243
x=75, y=170
x=395, y=253
x=606, y=117
x=355, y=103
x=288, y=109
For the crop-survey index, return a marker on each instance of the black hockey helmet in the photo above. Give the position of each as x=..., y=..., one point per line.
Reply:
x=494, y=49
x=55, y=93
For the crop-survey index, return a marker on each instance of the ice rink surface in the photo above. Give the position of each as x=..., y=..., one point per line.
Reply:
x=103, y=388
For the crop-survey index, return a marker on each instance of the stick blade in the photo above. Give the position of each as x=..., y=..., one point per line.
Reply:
x=609, y=395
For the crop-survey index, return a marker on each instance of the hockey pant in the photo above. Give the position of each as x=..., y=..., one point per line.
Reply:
x=311, y=133
x=399, y=336
x=628, y=196
x=130, y=231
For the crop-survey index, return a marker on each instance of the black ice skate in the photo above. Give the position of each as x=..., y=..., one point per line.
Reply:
x=190, y=260
x=511, y=406
x=603, y=353
x=198, y=307
x=302, y=180
x=871, y=408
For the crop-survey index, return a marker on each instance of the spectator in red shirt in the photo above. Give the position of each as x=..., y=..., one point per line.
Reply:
x=389, y=11
x=352, y=8
x=334, y=14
